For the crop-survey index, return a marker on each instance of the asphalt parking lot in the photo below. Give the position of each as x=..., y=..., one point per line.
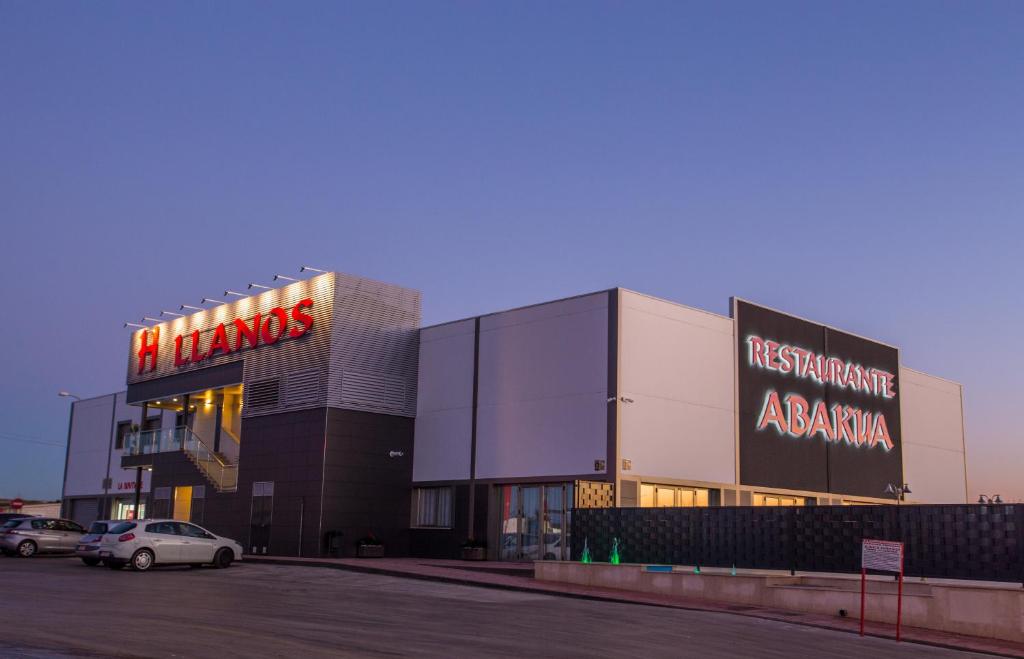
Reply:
x=58, y=607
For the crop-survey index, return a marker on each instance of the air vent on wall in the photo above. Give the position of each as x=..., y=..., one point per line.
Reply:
x=263, y=393
x=373, y=389
x=302, y=387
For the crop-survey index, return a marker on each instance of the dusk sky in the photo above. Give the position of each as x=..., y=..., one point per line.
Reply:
x=860, y=164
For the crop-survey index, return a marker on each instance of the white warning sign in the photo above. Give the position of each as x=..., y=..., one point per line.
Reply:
x=881, y=555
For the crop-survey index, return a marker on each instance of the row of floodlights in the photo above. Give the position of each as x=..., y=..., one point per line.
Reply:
x=210, y=300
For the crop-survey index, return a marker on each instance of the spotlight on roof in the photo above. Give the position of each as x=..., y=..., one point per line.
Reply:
x=210, y=299
x=136, y=325
x=306, y=267
x=189, y=306
x=259, y=286
x=231, y=292
x=171, y=313
x=152, y=320
x=284, y=278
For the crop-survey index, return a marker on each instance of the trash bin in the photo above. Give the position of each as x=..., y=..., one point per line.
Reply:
x=332, y=543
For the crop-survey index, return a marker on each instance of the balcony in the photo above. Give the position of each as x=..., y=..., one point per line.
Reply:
x=141, y=447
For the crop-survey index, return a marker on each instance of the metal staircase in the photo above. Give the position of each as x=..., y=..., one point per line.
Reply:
x=217, y=468
x=223, y=475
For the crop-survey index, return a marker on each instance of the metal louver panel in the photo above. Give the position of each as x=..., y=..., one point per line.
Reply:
x=263, y=393
x=372, y=390
x=302, y=387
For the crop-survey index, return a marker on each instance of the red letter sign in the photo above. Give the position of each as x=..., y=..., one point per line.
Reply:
x=148, y=349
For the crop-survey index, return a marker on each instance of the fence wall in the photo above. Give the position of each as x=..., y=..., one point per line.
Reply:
x=982, y=542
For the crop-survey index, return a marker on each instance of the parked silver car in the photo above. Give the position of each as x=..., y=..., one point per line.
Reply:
x=88, y=547
x=39, y=535
x=148, y=542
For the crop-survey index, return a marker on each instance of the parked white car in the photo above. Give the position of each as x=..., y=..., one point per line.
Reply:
x=148, y=542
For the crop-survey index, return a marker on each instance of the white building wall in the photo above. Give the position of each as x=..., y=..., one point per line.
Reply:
x=89, y=449
x=543, y=385
x=676, y=364
x=92, y=446
x=931, y=415
x=444, y=416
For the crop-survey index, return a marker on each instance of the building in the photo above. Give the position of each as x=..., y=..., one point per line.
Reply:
x=95, y=484
x=305, y=417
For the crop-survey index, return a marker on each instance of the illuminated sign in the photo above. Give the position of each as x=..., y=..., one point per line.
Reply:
x=253, y=332
x=818, y=407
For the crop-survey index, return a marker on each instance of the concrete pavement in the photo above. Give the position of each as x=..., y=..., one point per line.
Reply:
x=59, y=606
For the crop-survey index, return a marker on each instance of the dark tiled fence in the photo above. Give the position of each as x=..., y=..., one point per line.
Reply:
x=984, y=542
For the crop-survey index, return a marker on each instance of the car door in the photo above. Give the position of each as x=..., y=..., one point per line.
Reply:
x=197, y=545
x=166, y=543
x=47, y=534
x=71, y=533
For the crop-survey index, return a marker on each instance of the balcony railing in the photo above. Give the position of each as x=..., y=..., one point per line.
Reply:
x=163, y=440
x=221, y=473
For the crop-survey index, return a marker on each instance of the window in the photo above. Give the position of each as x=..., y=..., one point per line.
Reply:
x=68, y=525
x=98, y=528
x=193, y=531
x=671, y=496
x=163, y=528
x=123, y=429
x=776, y=500
x=123, y=527
x=44, y=524
x=432, y=507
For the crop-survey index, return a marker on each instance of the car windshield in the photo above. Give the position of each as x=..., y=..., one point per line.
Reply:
x=123, y=527
x=98, y=528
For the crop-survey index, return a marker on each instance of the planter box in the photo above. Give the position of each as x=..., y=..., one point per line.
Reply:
x=474, y=553
x=370, y=551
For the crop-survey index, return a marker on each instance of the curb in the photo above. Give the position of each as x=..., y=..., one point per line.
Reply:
x=603, y=598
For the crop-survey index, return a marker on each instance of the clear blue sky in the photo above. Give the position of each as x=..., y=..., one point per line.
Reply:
x=858, y=163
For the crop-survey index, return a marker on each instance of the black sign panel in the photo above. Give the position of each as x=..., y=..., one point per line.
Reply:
x=818, y=408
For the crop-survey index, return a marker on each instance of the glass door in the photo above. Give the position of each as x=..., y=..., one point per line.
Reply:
x=535, y=522
x=530, y=547
x=509, y=535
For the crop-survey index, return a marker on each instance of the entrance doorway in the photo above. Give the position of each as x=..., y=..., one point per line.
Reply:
x=183, y=503
x=535, y=521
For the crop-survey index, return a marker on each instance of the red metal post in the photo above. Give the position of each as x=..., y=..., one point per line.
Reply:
x=863, y=592
x=899, y=598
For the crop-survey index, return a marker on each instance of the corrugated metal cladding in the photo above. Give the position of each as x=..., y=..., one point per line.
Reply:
x=364, y=330
x=375, y=347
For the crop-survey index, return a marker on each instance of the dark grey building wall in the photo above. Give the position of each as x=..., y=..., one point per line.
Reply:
x=367, y=484
x=287, y=449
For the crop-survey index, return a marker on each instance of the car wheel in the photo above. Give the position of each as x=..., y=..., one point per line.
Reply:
x=115, y=565
x=27, y=549
x=223, y=558
x=91, y=562
x=142, y=560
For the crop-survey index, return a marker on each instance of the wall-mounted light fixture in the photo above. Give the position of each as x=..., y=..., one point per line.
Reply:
x=306, y=267
x=189, y=306
x=152, y=320
x=210, y=299
x=259, y=286
x=136, y=325
x=284, y=278
x=231, y=292
x=171, y=313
